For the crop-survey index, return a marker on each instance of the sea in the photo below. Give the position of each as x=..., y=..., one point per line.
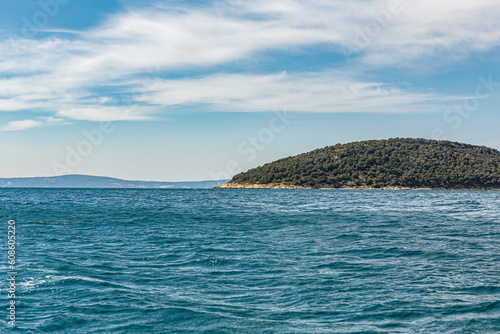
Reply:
x=250, y=261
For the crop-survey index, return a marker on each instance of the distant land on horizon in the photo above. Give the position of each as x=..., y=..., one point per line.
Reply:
x=89, y=181
x=398, y=163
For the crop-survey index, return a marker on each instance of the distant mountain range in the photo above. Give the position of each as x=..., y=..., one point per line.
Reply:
x=88, y=181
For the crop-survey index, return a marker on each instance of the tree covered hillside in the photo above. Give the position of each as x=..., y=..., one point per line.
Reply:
x=409, y=163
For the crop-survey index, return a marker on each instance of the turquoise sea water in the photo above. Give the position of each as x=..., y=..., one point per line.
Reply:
x=253, y=261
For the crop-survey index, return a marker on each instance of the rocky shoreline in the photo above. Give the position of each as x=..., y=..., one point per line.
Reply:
x=232, y=185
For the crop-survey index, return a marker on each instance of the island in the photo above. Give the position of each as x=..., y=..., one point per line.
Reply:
x=398, y=163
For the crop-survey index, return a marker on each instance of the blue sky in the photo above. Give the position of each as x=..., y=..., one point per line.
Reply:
x=195, y=90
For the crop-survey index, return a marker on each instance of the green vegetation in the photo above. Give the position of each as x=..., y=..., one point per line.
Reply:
x=408, y=163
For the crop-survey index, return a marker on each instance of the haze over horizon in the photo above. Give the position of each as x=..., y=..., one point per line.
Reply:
x=191, y=90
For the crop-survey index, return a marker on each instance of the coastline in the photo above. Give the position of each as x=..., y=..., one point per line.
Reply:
x=231, y=185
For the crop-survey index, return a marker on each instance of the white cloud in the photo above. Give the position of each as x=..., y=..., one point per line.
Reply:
x=135, y=41
x=103, y=114
x=65, y=77
x=15, y=104
x=22, y=125
x=31, y=123
x=312, y=92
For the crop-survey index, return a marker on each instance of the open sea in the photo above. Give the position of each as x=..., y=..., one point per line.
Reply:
x=252, y=261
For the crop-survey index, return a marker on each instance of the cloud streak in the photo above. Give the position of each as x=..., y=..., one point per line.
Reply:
x=31, y=123
x=22, y=125
x=325, y=92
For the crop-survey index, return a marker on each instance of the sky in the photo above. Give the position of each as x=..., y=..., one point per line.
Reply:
x=199, y=90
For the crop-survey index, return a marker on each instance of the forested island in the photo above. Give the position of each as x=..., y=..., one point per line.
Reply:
x=399, y=163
